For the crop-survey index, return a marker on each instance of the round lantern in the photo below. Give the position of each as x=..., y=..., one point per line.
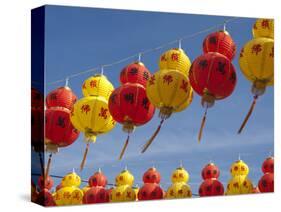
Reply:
x=239, y=168
x=71, y=179
x=61, y=97
x=268, y=165
x=180, y=175
x=220, y=42
x=266, y=183
x=169, y=91
x=130, y=106
x=211, y=187
x=175, y=59
x=96, y=194
x=213, y=77
x=59, y=131
x=135, y=73
x=91, y=116
x=45, y=198
x=97, y=85
x=124, y=178
x=210, y=171
x=45, y=182
x=98, y=179
x=151, y=176
x=178, y=190
x=257, y=65
x=263, y=28
x=122, y=193
x=150, y=191
x=239, y=185
x=69, y=195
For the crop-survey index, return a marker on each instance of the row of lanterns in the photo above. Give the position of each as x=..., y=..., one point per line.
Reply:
x=132, y=104
x=69, y=193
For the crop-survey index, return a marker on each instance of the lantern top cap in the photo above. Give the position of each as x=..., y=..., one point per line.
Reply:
x=138, y=63
x=224, y=31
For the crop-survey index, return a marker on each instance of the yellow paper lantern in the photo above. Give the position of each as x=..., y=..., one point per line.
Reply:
x=263, y=28
x=180, y=175
x=175, y=59
x=239, y=185
x=124, y=178
x=257, y=65
x=122, y=193
x=97, y=85
x=178, y=190
x=71, y=179
x=239, y=168
x=69, y=195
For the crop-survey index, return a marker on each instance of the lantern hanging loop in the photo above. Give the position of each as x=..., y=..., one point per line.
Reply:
x=248, y=114
x=224, y=26
x=180, y=40
x=139, y=57
x=101, y=70
x=202, y=124
x=149, y=142
x=66, y=81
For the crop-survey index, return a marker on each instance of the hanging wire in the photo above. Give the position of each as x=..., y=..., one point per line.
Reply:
x=139, y=54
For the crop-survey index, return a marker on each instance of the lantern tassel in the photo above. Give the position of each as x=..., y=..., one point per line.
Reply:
x=149, y=142
x=48, y=165
x=124, y=147
x=248, y=114
x=41, y=163
x=202, y=125
x=84, y=157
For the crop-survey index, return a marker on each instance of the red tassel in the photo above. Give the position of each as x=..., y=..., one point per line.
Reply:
x=202, y=125
x=149, y=142
x=248, y=114
x=124, y=147
x=84, y=157
x=48, y=165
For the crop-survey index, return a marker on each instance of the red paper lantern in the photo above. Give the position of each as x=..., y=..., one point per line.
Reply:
x=96, y=194
x=150, y=191
x=98, y=179
x=268, y=165
x=45, y=198
x=210, y=171
x=266, y=183
x=220, y=42
x=151, y=176
x=135, y=73
x=61, y=97
x=45, y=182
x=211, y=187
x=59, y=130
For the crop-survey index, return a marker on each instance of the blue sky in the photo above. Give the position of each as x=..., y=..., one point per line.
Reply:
x=78, y=39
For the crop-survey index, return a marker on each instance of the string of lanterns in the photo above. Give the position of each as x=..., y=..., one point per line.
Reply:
x=68, y=192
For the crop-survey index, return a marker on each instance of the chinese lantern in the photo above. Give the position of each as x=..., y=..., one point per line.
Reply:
x=71, y=179
x=210, y=171
x=263, y=28
x=268, y=165
x=213, y=77
x=124, y=178
x=59, y=132
x=175, y=59
x=179, y=187
x=98, y=179
x=240, y=183
x=151, y=189
x=266, y=183
x=151, y=176
x=61, y=97
x=87, y=109
x=211, y=186
x=45, y=182
x=170, y=91
x=128, y=104
x=220, y=42
x=96, y=194
x=257, y=62
x=45, y=198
